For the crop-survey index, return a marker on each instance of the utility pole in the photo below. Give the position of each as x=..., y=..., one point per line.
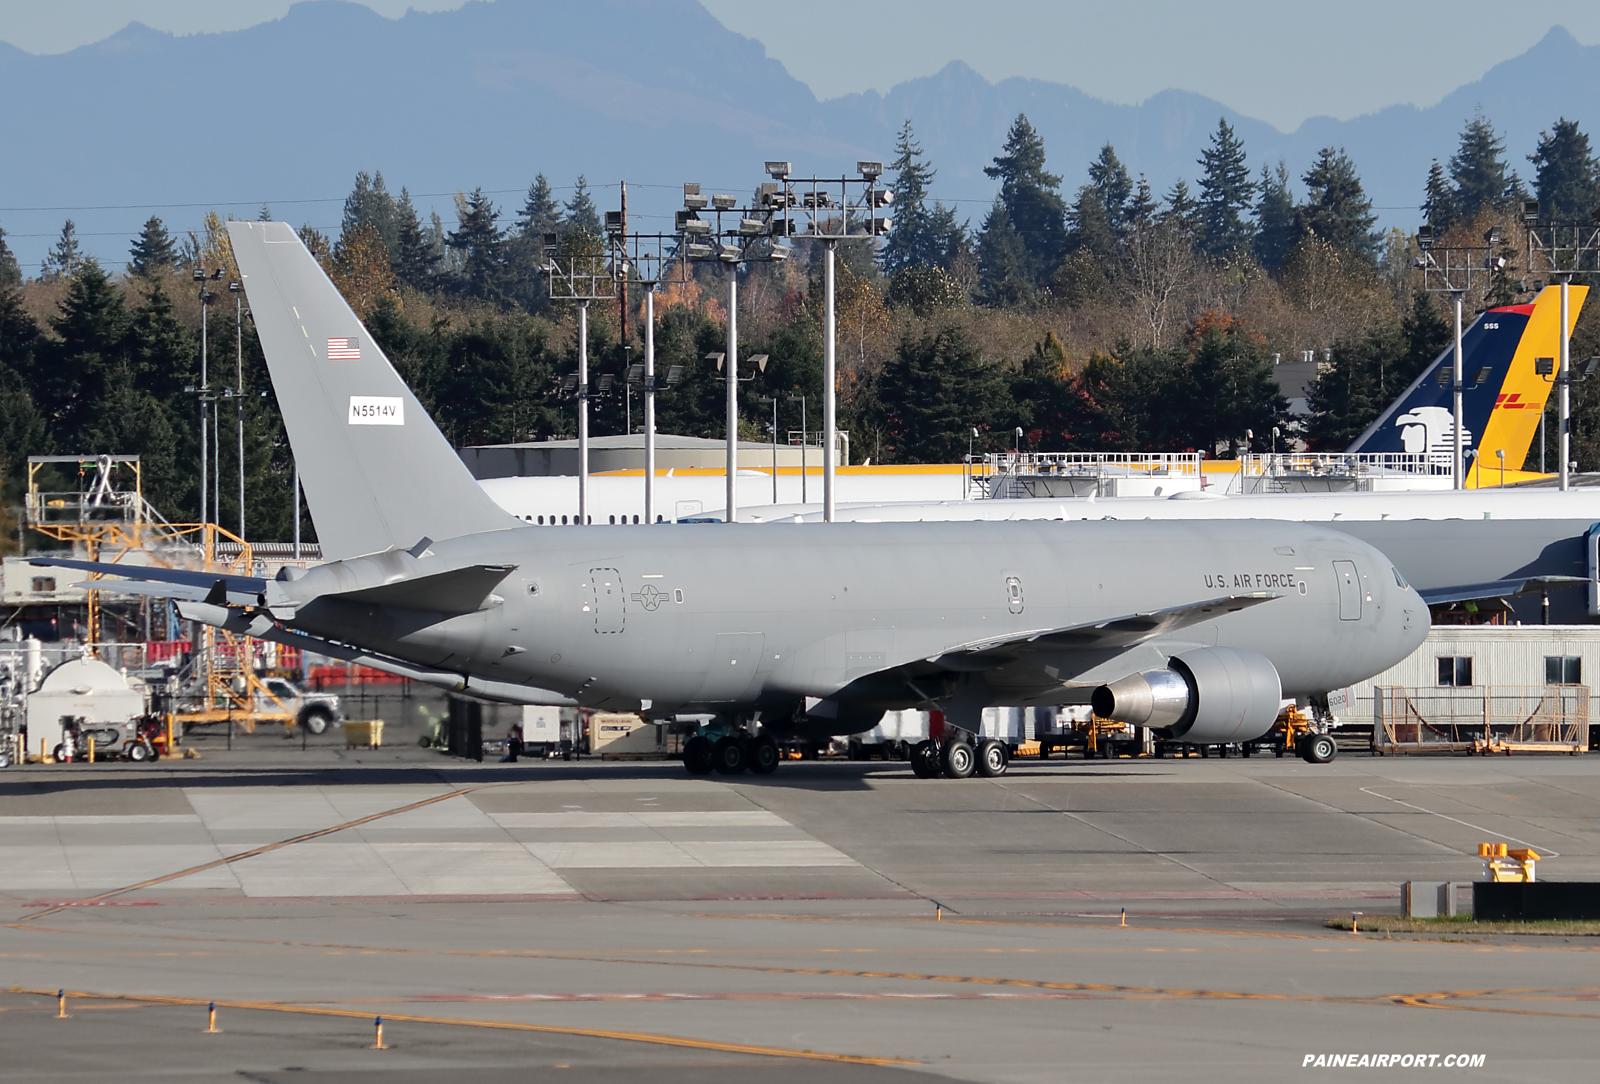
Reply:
x=1454, y=270
x=237, y=289
x=1565, y=249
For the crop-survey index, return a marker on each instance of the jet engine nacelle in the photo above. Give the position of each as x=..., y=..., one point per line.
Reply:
x=1209, y=696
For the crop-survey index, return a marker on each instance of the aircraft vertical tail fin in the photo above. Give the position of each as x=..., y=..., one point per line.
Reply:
x=1504, y=394
x=377, y=472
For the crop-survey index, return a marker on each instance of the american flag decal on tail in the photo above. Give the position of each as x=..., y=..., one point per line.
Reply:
x=344, y=349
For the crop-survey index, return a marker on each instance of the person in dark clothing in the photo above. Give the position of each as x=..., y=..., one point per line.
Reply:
x=513, y=744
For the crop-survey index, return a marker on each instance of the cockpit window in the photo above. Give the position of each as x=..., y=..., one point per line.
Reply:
x=1399, y=579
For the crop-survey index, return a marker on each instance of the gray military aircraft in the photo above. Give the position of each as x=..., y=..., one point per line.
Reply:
x=1198, y=629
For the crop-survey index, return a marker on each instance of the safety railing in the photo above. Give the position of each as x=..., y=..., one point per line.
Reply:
x=1481, y=719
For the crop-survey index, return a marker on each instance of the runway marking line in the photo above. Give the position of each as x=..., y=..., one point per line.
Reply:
x=497, y=1025
x=230, y=859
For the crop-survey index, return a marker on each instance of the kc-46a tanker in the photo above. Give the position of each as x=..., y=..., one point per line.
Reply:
x=1200, y=629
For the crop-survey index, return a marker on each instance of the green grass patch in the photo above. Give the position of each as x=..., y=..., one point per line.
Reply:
x=1464, y=924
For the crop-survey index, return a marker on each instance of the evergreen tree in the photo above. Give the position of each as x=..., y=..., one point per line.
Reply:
x=1274, y=216
x=22, y=431
x=69, y=376
x=1108, y=177
x=1235, y=389
x=370, y=204
x=162, y=353
x=1369, y=370
x=1181, y=207
x=64, y=258
x=1141, y=206
x=934, y=392
x=10, y=271
x=415, y=260
x=480, y=242
x=1478, y=170
x=540, y=213
x=1034, y=208
x=1004, y=265
x=1438, y=201
x=1225, y=194
x=1566, y=175
x=154, y=250
x=922, y=235
x=1092, y=231
x=1337, y=210
x=579, y=211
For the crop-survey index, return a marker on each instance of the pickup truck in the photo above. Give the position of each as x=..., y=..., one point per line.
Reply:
x=314, y=711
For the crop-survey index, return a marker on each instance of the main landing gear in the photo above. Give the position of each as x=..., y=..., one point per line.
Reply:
x=958, y=758
x=729, y=751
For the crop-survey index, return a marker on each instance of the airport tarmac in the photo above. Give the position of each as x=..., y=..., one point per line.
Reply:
x=835, y=921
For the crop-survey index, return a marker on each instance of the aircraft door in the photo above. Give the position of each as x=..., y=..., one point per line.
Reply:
x=610, y=602
x=1349, y=590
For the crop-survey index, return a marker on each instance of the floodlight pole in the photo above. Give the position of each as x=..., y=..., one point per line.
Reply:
x=1566, y=386
x=1456, y=469
x=830, y=360
x=583, y=411
x=732, y=361
x=650, y=403
x=238, y=308
x=205, y=448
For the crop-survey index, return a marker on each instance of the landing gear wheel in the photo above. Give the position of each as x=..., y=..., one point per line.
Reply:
x=993, y=756
x=697, y=756
x=925, y=759
x=139, y=752
x=762, y=755
x=1318, y=749
x=728, y=756
x=959, y=760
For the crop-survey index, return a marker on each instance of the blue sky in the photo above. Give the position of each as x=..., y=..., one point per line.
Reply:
x=1279, y=60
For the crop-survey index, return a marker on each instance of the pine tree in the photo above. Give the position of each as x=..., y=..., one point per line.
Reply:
x=10, y=271
x=1337, y=210
x=153, y=251
x=579, y=211
x=1181, y=207
x=69, y=377
x=540, y=213
x=479, y=242
x=1274, y=216
x=1566, y=175
x=1034, y=207
x=415, y=261
x=1004, y=265
x=1142, y=205
x=934, y=392
x=923, y=236
x=1225, y=194
x=370, y=204
x=162, y=352
x=64, y=258
x=1438, y=201
x=1109, y=178
x=1478, y=170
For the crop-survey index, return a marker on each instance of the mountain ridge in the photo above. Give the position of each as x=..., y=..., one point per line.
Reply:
x=491, y=93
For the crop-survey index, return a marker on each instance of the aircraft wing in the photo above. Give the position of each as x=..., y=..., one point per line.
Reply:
x=1116, y=632
x=1519, y=585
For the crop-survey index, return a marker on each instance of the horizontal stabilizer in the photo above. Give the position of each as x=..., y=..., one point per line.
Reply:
x=1479, y=592
x=181, y=583
x=458, y=591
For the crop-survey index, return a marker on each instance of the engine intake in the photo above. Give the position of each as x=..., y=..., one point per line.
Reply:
x=1208, y=696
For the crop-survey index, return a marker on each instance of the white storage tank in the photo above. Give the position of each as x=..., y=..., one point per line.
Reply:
x=83, y=688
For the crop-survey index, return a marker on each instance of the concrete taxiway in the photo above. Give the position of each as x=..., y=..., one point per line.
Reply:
x=836, y=921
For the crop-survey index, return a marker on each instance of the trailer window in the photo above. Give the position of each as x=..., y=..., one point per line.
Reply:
x=1563, y=670
x=1455, y=670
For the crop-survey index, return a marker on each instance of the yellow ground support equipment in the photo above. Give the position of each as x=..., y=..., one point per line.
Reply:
x=107, y=518
x=367, y=732
x=1501, y=864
